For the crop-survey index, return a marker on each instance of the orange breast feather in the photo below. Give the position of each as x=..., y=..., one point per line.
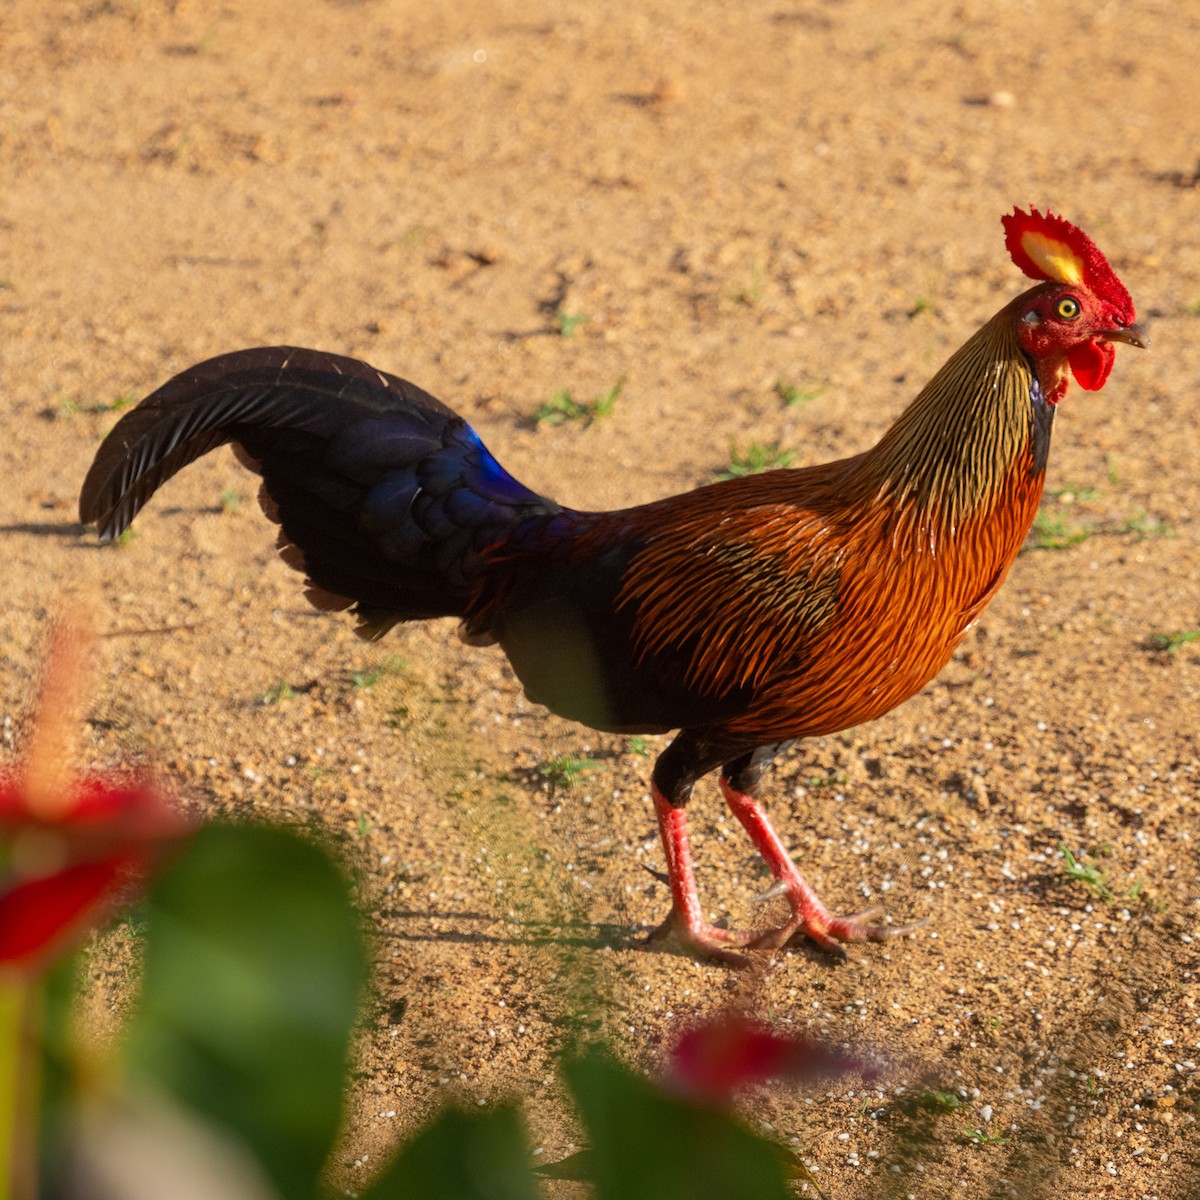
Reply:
x=832, y=604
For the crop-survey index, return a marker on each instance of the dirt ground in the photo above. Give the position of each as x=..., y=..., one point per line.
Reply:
x=745, y=204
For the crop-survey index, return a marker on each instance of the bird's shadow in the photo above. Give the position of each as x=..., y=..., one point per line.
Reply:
x=62, y=529
x=578, y=935
x=589, y=936
x=84, y=535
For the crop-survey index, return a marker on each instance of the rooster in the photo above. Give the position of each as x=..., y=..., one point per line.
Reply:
x=744, y=614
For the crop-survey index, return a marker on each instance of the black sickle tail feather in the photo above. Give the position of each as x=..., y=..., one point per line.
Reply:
x=385, y=498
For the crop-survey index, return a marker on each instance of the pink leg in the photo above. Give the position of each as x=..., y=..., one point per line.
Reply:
x=809, y=915
x=687, y=917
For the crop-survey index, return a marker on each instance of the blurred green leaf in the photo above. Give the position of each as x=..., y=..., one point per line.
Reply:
x=462, y=1155
x=650, y=1145
x=579, y=1167
x=253, y=970
x=56, y=1068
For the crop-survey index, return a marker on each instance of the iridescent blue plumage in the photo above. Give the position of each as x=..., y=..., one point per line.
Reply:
x=386, y=498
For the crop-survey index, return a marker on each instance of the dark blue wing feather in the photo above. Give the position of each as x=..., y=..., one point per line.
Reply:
x=384, y=496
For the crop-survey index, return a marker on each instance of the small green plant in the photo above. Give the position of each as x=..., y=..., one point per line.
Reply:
x=1052, y=531
x=1144, y=527
x=794, y=396
x=833, y=779
x=231, y=500
x=563, y=407
x=277, y=693
x=566, y=323
x=116, y=405
x=1089, y=874
x=980, y=1138
x=1069, y=494
x=251, y=979
x=935, y=1100
x=368, y=677
x=602, y=406
x=921, y=304
x=69, y=406
x=752, y=294
x=565, y=771
x=754, y=460
x=126, y=536
x=639, y=745
x=1169, y=643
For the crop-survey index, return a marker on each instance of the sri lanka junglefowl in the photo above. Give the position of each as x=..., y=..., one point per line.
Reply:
x=744, y=614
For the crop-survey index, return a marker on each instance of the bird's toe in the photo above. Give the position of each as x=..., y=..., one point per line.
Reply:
x=832, y=933
x=704, y=940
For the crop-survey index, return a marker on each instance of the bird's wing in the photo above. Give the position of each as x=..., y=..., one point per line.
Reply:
x=385, y=498
x=732, y=588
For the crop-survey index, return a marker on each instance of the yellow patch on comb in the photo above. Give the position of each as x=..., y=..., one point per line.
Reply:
x=1047, y=247
x=1056, y=258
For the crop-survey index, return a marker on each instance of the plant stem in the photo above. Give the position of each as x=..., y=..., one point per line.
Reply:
x=19, y=1002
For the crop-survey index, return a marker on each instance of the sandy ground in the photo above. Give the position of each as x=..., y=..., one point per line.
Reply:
x=739, y=199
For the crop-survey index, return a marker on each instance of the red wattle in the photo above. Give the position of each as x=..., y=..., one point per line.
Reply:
x=1090, y=363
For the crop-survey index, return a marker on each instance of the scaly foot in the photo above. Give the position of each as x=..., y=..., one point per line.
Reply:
x=811, y=919
x=703, y=939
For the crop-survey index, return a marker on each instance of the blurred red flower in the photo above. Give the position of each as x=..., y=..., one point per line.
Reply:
x=58, y=869
x=717, y=1058
x=68, y=845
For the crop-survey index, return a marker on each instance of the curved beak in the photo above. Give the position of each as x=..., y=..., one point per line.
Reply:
x=1131, y=335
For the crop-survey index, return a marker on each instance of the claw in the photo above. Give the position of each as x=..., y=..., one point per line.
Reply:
x=833, y=934
x=811, y=921
x=861, y=927
x=777, y=889
x=884, y=933
x=863, y=917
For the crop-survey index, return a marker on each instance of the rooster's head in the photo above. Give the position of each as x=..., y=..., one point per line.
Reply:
x=1082, y=308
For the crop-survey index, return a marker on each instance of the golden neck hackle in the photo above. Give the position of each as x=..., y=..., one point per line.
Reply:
x=951, y=454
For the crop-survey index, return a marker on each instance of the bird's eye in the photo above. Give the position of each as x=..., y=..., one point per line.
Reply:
x=1068, y=308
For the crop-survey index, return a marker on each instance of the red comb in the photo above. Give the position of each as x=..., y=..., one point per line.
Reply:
x=1049, y=247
